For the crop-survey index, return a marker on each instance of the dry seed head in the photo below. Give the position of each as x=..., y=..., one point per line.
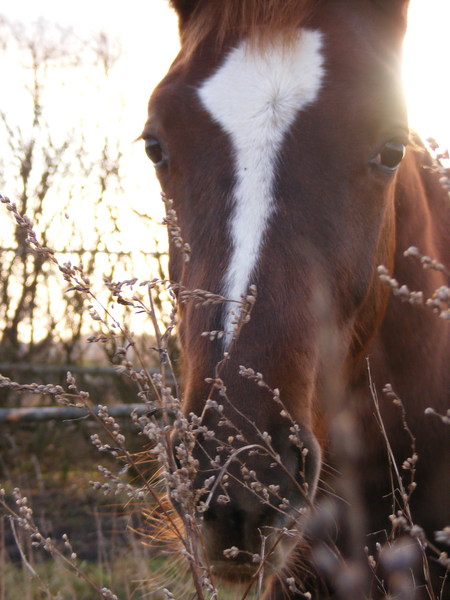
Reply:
x=222, y=499
x=444, y=560
x=372, y=562
x=418, y=533
x=444, y=418
x=443, y=536
x=107, y=594
x=412, y=251
x=231, y=552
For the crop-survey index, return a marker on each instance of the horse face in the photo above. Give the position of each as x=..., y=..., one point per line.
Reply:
x=280, y=159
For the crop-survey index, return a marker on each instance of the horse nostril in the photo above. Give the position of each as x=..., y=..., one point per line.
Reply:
x=241, y=523
x=209, y=515
x=226, y=516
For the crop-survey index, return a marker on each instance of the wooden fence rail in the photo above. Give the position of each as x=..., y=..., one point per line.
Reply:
x=49, y=368
x=94, y=370
x=63, y=413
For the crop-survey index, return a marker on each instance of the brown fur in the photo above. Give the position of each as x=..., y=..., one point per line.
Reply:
x=256, y=20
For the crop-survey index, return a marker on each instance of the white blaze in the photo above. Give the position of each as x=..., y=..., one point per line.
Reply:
x=255, y=96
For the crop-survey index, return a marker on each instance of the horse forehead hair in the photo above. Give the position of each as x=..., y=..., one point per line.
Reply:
x=255, y=96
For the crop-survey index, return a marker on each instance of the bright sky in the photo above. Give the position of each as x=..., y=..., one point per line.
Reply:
x=427, y=67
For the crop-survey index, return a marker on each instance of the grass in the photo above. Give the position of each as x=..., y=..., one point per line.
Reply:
x=41, y=460
x=129, y=575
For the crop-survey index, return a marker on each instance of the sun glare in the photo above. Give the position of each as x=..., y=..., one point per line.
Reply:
x=426, y=68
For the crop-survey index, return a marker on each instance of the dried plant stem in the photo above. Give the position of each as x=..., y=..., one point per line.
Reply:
x=406, y=511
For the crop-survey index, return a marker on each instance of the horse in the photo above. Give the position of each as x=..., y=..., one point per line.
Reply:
x=280, y=135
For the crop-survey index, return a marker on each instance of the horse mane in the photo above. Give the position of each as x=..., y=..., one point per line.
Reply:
x=258, y=21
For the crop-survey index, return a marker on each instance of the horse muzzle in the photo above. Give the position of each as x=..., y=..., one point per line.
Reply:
x=253, y=515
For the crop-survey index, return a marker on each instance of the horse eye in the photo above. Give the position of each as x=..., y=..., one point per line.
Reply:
x=154, y=151
x=390, y=156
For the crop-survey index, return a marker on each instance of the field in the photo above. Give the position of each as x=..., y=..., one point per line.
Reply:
x=53, y=463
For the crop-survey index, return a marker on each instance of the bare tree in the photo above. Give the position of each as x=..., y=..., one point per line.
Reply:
x=53, y=165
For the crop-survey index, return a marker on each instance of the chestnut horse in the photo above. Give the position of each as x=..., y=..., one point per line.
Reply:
x=280, y=134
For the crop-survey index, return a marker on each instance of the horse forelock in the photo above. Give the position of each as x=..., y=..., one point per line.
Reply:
x=257, y=21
